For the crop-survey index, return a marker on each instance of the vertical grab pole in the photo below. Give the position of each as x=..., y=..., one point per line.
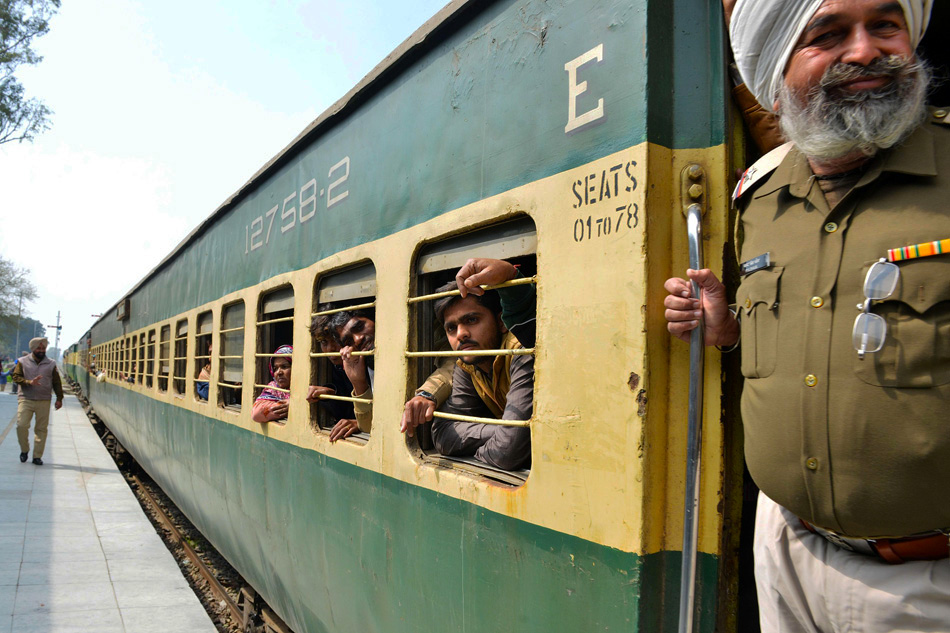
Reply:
x=694, y=224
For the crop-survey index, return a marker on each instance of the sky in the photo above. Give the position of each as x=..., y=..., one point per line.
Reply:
x=162, y=110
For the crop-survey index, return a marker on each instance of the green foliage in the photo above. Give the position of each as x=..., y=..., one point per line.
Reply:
x=8, y=336
x=21, y=119
x=15, y=286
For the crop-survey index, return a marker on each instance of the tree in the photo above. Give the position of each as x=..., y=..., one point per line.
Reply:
x=15, y=287
x=29, y=328
x=21, y=119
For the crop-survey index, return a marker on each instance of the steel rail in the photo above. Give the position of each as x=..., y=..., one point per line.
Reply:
x=280, y=320
x=472, y=352
x=273, y=388
x=361, y=306
x=175, y=535
x=451, y=293
x=337, y=354
x=471, y=418
x=328, y=396
x=694, y=433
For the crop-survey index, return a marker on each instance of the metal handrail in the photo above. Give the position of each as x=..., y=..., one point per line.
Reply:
x=522, y=351
x=451, y=293
x=694, y=228
x=280, y=320
x=337, y=354
x=472, y=418
x=361, y=306
x=327, y=396
x=287, y=391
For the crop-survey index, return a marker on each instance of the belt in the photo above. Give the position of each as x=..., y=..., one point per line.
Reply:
x=928, y=546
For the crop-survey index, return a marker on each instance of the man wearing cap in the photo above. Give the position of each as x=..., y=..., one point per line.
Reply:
x=844, y=315
x=38, y=379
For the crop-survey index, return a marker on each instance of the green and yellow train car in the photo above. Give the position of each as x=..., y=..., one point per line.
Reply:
x=570, y=136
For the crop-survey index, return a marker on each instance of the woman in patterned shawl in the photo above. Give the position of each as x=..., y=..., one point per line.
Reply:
x=274, y=401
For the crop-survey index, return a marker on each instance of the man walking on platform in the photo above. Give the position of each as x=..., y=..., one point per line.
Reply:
x=38, y=379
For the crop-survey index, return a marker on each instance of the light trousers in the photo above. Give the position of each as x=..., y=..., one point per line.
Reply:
x=808, y=585
x=26, y=409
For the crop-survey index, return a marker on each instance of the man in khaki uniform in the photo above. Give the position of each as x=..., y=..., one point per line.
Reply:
x=844, y=408
x=38, y=379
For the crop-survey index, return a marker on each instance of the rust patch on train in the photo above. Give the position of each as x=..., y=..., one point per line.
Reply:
x=634, y=381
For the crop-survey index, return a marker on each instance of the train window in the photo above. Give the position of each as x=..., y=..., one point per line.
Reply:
x=150, y=363
x=141, y=370
x=163, y=355
x=133, y=355
x=433, y=357
x=275, y=329
x=231, y=356
x=126, y=359
x=344, y=312
x=203, y=355
x=180, y=366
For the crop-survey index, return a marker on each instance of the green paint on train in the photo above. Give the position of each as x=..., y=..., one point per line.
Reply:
x=478, y=109
x=333, y=547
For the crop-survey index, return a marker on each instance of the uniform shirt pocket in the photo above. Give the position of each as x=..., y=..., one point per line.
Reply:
x=916, y=352
x=757, y=301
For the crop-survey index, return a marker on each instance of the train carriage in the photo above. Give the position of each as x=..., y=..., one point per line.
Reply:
x=571, y=137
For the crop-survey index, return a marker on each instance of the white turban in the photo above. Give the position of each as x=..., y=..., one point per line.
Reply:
x=764, y=33
x=36, y=342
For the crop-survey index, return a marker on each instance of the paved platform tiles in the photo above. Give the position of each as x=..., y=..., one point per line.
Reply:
x=77, y=553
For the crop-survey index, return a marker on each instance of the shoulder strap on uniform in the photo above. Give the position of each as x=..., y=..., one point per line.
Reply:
x=760, y=169
x=940, y=116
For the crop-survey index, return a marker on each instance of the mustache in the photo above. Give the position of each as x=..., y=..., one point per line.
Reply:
x=892, y=67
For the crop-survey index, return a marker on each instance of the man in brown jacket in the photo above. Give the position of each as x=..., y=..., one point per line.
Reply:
x=844, y=409
x=38, y=379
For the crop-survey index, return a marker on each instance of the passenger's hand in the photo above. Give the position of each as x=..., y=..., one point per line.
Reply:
x=35, y=381
x=479, y=271
x=355, y=368
x=58, y=405
x=279, y=410
x=343, y=429
x=315, y=391
x=418, y=411
x=683, y=310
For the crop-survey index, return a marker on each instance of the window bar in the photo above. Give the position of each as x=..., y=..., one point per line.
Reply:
x=228, y=384
x=361, y=306
x=231, y=357
x=272, y=356
x=451, y=293
x=281, y=320
x=336, y=354
x=233, y=329
x=472, y=352
x=327, y=396
x=287, y=391
x=471, y=418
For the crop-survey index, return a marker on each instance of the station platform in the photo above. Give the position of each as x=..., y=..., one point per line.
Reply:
x=77, y=552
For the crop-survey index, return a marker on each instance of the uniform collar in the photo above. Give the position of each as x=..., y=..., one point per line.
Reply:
x=916, y=157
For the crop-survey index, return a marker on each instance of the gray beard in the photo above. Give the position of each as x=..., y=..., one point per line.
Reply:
x=831, y=124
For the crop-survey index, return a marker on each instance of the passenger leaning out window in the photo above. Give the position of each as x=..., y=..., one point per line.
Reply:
x=274, y=401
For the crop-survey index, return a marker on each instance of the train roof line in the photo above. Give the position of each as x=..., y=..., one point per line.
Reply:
x=421, y=40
